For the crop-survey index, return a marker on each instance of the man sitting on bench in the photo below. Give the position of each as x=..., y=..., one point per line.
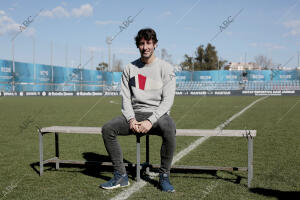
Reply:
x=147, y=88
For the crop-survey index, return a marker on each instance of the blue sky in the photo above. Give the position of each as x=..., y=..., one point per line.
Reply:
x=265, y=27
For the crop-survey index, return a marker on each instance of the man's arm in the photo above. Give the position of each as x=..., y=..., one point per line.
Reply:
x=168, y=93
x=127, y=109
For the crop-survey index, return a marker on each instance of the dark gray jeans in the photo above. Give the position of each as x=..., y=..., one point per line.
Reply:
x=164, y=127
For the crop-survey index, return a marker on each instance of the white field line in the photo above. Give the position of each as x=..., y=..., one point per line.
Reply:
x=191, y=108
x=138, y=185
x=283, y=116
x=128, y=192
x=192, y=146
x=100, y=99
x=113, y=102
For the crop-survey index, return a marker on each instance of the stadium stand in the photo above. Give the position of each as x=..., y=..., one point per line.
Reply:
x=28, y=77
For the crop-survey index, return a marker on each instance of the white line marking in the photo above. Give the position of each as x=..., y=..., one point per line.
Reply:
x=191, y=107
x=113, y=102
x=192, y=146
x=138, y=185
x=187, y=150
x=128, y=192
x=283, y=116
x=221, y=126
x=101, y=98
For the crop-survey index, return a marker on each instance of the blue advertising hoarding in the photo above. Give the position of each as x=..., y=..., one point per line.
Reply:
x=24, y=72
x=5, y=71
x=39, y=77
x=230, y=76
x=287, y=75
x=183, y=76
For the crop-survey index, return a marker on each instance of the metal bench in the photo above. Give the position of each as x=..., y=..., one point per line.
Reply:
x=249, y=134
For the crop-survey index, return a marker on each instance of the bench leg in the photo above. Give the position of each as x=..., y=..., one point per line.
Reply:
x=138, y=158
x=250, y=160
x=56, y=151
x=147, y=154
x=41, y=153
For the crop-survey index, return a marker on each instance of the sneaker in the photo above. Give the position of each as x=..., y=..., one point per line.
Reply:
x=117, y=181
x=165, y=184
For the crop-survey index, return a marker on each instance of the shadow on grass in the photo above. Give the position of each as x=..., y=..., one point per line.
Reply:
x=187, y=173
x=91, y=166
x=280, y=195
x=236, y=180
x=155, y=183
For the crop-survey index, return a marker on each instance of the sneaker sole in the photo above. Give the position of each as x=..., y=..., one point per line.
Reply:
x=114, y=187
x=171, y=191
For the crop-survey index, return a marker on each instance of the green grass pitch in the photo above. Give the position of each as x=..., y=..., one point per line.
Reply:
x=276, y=148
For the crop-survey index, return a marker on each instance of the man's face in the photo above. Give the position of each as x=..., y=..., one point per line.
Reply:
x=146, y=48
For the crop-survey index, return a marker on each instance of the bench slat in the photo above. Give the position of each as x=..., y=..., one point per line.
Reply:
x=179, y=132
x=214, y=168
x=213, y=132
x=72, y=129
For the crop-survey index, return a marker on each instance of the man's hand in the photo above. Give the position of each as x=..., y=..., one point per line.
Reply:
x=144, y=126
x=134, y=125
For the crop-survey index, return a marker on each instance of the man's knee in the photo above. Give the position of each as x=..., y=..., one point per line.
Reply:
x=115, y=127
x=167, y=126
x=108, y=131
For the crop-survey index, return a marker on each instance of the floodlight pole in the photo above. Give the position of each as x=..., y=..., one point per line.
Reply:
x=66, y=55
x=92, y=63
x=109, y=57
x=51, y=61
x=13, y=67
x=109, y=41
x=298, y=59
x=33, y=58
x=80, y=56
x=80, y=67
x=193, y=66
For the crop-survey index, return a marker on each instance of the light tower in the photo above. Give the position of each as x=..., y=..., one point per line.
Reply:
x=108, y=42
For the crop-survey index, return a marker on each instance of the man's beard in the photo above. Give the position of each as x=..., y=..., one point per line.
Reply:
x=148, y=56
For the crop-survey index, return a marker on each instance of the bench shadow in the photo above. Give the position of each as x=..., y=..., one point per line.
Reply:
x=186, y=173
x=280, y=195
x=213, y=173
x=96, y=169
x=89, y=168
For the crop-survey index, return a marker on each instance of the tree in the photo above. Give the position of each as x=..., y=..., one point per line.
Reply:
x=102, y=66
x=210, y=57
x=199, y=63
x=187, y=64
x=222, y=63
x=263, y=61
x=205, y=59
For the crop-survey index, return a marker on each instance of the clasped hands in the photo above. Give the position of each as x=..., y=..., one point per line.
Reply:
x=140, y=127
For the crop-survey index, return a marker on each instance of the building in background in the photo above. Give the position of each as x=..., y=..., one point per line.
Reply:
x=242, y=66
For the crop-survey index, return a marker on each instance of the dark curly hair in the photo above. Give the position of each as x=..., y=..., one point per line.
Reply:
x=147, y=34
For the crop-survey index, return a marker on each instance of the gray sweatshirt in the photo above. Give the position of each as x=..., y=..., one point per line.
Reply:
x=148, y=88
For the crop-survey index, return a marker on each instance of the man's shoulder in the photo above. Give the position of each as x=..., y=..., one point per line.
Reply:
x=132, y=64
x=135, y=62
x=165, y=65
